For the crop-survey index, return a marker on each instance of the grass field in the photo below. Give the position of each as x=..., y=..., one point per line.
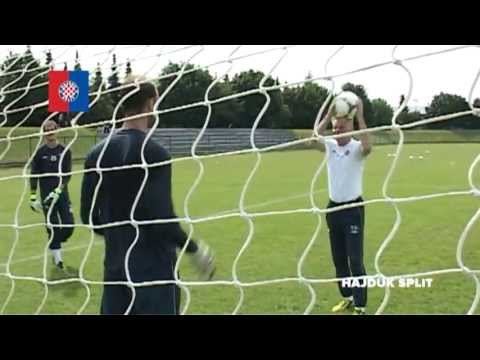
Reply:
x=19, y=150
x=426, y=240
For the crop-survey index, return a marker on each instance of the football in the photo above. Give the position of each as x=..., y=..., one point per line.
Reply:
x=345, y=105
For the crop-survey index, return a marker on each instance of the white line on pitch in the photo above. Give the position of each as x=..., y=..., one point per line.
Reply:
x=272, y=202
x=37, y=257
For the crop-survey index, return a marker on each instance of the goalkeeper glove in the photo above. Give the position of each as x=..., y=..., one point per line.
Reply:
x=52, y=198
x=35, y=204
x=203, y=261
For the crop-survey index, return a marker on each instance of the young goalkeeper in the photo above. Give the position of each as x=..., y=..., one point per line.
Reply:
x=52, y=193
x=345, y=163
x=154, y=255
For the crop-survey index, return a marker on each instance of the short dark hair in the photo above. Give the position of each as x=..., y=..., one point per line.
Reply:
x=135, y=102
x=476, y=103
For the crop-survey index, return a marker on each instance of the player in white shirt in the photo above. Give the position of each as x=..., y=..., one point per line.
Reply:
x=345, y=160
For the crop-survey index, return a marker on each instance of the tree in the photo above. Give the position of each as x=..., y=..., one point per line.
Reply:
x=191, y=88
x=309, y=76
x=382, y=113
x=77, y=66
x=407, y=117
x=98, y=79
x=443, y=104
x=402, y=100
x=253, y=104
x=226, y=113
x=103, y=108
x=304, y=102
x=283, y=120
x=128, y=70
x=114, y=82
x=49, y=59
x=14, y=79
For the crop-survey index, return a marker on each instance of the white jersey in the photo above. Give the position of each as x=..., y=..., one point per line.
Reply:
x=345, y=170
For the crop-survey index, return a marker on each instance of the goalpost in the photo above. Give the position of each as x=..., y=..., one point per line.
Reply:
x=277, y=54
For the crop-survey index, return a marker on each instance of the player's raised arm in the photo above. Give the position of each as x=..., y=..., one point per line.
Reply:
x=325, y=121
x=364, y=137
x=322, y=126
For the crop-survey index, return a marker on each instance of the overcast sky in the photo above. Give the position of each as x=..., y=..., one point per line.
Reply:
x=452, y=72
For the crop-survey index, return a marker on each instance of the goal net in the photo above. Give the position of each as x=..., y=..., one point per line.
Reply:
x=216, y=166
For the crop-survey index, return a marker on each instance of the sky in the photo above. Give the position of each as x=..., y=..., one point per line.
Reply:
x=451, y=72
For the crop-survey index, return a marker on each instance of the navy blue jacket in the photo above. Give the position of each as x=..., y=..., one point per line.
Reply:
x=154, y=255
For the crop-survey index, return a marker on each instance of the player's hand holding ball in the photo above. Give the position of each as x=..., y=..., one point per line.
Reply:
x=52, y=198
x=35, y=204
x=346, y=105
x=359, y=113
x=203, y=260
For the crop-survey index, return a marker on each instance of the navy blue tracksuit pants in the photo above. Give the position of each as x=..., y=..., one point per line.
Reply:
x=346, y=229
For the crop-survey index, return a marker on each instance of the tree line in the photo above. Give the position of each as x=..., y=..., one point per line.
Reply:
x=290, y=107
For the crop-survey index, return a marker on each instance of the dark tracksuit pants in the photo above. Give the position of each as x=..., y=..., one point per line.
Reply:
x=61, y=214
x=147, y=262
x=149, y=300
x=346, y=229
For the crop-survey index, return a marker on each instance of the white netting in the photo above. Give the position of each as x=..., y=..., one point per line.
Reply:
x=277, y=55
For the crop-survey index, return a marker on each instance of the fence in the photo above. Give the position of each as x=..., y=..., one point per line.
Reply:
x=179, y=141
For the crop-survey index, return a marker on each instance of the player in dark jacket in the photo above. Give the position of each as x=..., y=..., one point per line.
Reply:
x=154, y=254
x=53, y=190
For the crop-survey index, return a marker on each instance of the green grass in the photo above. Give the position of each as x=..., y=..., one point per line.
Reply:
x=426, y=240
x=18, y=151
